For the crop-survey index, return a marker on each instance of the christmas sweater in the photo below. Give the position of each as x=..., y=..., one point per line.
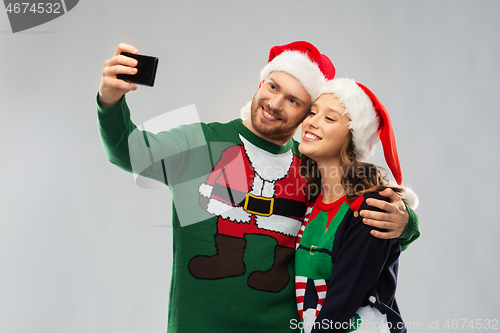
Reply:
x=238, y=202
x=345, y=278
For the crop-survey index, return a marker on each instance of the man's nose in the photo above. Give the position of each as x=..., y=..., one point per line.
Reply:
x=277, y=103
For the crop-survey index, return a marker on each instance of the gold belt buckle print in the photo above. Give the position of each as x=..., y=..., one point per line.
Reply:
x=268, y=201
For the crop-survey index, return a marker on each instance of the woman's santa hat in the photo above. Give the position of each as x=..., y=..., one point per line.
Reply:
x=369, y=123
x=304, y=62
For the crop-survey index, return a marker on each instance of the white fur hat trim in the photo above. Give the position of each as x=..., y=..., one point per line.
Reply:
x=301, y=67
x=246, y=111
x=358, y=106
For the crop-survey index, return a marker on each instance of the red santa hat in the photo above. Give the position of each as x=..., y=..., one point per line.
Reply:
x=370, y=122
x=304, y=62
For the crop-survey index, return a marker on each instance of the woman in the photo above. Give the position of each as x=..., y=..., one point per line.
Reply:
x=345, y=278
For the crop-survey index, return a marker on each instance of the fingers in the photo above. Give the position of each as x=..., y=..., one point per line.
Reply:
x=379, y=216
x=381, y=204
x=122, y=47
x=383, y=235
x=117, y=83
x=118, y=64
x=118, y=69
x=122, y=60
x=392, y=229
x=111, y=89
x=382, y=220
x=392, y=218
x=377, y=224
x=389, y=193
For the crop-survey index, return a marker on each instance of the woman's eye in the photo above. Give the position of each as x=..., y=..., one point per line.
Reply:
x=273, y=87
x=330, y=119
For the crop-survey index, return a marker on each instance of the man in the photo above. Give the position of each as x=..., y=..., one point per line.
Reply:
x=231, y=268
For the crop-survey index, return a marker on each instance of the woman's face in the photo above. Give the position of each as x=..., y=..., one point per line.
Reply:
x=325, y=130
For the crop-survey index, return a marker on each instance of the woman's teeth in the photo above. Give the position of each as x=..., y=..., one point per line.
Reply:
x=312, y=136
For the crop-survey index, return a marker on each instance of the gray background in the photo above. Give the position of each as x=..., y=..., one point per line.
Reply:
x=84, y=249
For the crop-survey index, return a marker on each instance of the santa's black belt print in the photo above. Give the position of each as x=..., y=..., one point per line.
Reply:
x=261, y=206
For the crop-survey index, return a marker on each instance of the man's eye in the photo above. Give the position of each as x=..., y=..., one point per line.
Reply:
x=273, y=87
x=294, y=102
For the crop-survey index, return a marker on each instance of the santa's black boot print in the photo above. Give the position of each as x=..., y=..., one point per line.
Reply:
x=227, y=262
x=276, y=278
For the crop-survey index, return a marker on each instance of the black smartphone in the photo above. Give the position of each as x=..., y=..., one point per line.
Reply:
x=146, y=70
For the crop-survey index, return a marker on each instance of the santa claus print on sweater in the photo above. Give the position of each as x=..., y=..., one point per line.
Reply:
x=252, y=191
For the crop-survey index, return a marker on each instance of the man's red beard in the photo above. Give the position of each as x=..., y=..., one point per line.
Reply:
x=273, y=132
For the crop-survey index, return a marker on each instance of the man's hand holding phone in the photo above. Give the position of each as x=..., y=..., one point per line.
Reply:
x=122, y=71
x=111, y=88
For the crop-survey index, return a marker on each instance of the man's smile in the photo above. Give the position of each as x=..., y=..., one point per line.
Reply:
x=269, y=115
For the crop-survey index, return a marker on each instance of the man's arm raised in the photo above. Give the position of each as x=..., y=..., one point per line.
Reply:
x=129, y=147
x=111, y=89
